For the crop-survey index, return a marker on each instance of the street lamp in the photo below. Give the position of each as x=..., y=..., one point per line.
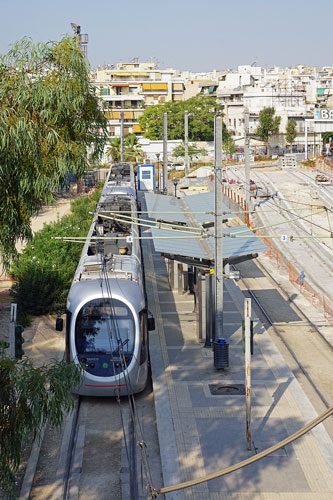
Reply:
x=158, y=171
x=175, y=182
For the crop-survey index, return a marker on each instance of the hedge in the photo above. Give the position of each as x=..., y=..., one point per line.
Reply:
x=44, y=271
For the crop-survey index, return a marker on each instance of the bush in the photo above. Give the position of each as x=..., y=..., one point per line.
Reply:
x=309, y=163
x=262, y=158
x=43, y=273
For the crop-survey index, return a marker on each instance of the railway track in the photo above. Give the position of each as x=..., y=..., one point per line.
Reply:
x=275, y=216
x=83, y=428
x=306, y=349
x=96, y=455
x=319, y=269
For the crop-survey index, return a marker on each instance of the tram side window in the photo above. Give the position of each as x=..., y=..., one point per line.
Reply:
x=143, y=336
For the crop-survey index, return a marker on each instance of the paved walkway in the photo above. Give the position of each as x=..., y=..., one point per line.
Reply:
x=200, y=433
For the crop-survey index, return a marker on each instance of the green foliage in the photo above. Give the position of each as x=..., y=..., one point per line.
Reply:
x=132, y=151
x=193, y=151
x=44, y=271
x=114, y=149
x=327, y=136
x=229, y=146
x=291, y=131
x=309, y=163
x=49, y=117
x=202, y=110
x=262, y=158
x=29, y=397
x=268, y=124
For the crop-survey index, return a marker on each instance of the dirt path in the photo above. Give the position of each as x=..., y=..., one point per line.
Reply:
x=47, y=214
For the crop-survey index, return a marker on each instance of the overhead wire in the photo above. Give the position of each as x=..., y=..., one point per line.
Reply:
x=135, y=415
x=280, y=209
x=104, y=279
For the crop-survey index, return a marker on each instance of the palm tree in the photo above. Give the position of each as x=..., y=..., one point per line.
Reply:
x=114, y=149
x=132, y=150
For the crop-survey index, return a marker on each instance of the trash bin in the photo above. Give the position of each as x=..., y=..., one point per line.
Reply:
x=221, y=354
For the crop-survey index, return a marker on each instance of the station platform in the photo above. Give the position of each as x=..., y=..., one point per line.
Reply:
x=202, y=431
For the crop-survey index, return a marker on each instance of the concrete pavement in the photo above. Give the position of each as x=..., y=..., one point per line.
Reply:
x=201, y=433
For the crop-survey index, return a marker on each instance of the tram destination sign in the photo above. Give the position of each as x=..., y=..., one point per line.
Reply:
x=324, y=114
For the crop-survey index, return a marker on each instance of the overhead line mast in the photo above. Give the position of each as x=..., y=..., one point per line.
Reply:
x=82, y=39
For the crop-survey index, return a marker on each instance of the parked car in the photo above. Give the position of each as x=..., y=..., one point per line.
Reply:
x=178, y=166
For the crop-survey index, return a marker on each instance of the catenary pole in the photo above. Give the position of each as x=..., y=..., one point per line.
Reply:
x=122, y=136
x=306, y=139
x=165, y=153
x=218, y=330
x=247, y=325
x=186, y=143
x=247, y=160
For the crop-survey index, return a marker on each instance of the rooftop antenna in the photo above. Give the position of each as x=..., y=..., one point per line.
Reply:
x=82, y=39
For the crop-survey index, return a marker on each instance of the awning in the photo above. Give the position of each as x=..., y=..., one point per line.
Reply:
x=171, y=209
x=197, y=211
x=176, y=243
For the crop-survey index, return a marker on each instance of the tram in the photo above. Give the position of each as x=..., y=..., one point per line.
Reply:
x=107, y=319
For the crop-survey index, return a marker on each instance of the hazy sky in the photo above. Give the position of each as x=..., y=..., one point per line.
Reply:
x=197, y=35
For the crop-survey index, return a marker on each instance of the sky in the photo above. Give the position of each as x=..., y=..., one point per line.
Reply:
x=195, y=35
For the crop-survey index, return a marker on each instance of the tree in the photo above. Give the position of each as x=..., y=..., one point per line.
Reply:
x=114, y=149
x=202, y=110
x=193, y=151
x=132, y=150
x=268, y=125
x=327, y=139
x=29, y=397
x=49, y=119
x=229, y=146
x=291, y=133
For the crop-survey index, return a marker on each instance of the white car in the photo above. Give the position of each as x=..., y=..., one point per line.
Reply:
x=178, y=166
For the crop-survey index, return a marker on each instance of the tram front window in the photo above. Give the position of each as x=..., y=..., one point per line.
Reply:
x=104, y=326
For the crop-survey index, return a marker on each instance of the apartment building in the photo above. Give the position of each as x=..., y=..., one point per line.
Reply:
x=130, y=87
x=293, y=92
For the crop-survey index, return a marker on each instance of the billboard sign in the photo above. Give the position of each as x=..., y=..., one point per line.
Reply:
x=324, y=114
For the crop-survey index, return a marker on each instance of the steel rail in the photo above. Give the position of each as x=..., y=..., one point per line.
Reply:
x=319, y=258
x=290, y=350
x=70, y=450
x=299, y=310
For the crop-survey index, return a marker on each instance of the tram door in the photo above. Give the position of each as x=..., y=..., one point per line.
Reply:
x=146, y=177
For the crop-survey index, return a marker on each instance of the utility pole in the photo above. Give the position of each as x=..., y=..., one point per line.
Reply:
x=165, y=153
x=158, y=172
x=13, y=312
x=247, y=162
x=122, y=136
x=247, y=325
x=186, y=143
x=218, y=230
